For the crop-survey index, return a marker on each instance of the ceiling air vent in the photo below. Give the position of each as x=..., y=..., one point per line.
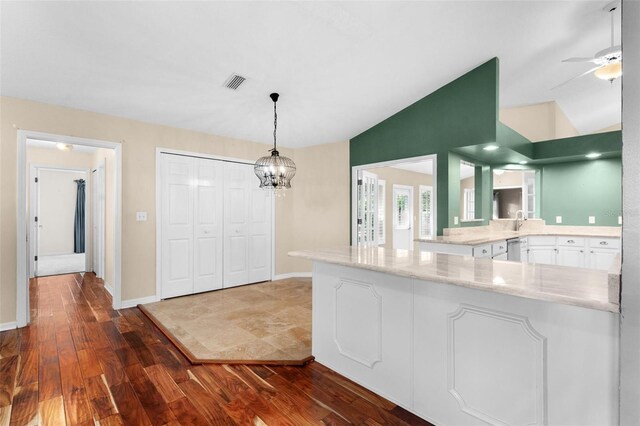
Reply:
x=234, y=81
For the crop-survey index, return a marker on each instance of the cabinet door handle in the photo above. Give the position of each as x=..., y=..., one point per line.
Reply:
x=592, y=251
x=501, y=248
x=570, y=241
x=604, y=243
x=581, y=251
x=484, y=251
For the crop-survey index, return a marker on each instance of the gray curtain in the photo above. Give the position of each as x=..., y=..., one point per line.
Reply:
x=78, y=228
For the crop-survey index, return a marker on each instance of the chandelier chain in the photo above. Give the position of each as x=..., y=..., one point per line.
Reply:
x=275, y=125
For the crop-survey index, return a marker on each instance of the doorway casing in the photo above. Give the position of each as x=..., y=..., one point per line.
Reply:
x=354, y=187
x=22, y=245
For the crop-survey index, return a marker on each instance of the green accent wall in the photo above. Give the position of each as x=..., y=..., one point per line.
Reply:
x=458, y=120
x=463, y=112
x=577, y=190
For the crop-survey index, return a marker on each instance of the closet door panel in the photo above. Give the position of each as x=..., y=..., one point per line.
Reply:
x=260, y=235
x=208, y=210
x=177, y=225
x=236, y=223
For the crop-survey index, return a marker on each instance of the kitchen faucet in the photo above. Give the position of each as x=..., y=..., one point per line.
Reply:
x=519, y=219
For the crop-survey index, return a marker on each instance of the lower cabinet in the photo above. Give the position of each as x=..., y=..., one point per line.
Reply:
x=545, y=255
x=571, y=256
x=601, y=258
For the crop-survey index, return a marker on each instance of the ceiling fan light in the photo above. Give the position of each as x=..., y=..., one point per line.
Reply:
x=610, y=71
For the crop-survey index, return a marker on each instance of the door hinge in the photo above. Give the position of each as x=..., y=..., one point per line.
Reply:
x=36, y=258
x=359, y=221
x=36, y=218
x=359, y=181
x=36, y=180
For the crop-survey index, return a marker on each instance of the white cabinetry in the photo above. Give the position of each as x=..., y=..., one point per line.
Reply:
x=578, y=252
x=542, y=250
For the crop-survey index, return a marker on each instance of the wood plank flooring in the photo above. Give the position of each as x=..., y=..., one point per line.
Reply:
x=82, y=363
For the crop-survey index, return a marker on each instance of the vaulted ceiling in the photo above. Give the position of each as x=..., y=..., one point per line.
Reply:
x=340, y=67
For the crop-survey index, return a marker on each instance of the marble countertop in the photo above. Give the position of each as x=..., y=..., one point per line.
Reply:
x=476, y=238
x=560, y=284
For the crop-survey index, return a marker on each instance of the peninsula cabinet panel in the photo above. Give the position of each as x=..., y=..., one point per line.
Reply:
x=485, y=358
x=362, y=328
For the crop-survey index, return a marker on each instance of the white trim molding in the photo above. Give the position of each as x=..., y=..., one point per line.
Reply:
x=22, y=246
x=5, y=326
x=132, y=303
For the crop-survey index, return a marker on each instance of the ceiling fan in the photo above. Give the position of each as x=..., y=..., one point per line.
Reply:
x=608, y=61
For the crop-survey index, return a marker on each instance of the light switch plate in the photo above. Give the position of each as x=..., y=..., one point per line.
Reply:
x=558, y=219
x=619, y=220
x=455, y=220
x=141, y=216
x=592, y=220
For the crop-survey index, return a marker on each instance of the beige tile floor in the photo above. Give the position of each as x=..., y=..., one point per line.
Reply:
x=266, y=322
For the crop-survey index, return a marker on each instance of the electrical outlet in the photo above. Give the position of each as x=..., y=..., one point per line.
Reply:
x=141, y=216
x=619, y=220
x=592, y=220
x=558, y=219
x=455, y=220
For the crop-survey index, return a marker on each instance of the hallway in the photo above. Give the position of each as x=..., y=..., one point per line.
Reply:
x=82, y=363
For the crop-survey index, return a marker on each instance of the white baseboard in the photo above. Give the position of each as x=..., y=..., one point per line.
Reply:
x=8, y=326
x=135, y=302
x=108, y=287
x=292, y=275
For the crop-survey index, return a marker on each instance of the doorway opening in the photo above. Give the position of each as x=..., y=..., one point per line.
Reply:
x=394, y=202
x=58, y=228
x=69, y=214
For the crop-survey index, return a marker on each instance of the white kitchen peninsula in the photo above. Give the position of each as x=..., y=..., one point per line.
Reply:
x=460, y=340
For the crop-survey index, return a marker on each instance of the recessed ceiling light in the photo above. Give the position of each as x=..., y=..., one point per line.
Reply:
x=490, y=147
x=64, y=146
x=522, y=162
x=593, y=155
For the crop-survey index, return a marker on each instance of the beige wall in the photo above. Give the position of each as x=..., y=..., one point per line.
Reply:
x=508, y=178
x=539, y=122
x=317, y=214
x=395, y=176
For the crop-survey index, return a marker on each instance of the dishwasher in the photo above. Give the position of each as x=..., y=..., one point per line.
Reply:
x=513, y=249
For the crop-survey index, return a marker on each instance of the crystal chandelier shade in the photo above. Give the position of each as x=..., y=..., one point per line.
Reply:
x=274, y=171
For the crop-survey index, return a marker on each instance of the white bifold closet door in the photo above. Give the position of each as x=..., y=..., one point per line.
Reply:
x=192, y=225
x=215, y=224
x=247, y=227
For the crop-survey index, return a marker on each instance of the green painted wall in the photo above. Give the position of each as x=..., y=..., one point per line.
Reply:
x=581, y=189
x=463, y=112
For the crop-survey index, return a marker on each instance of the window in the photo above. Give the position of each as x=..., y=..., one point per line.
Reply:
x=469, y=204
x=403, y=221
x=381, y=211
x=426, y=211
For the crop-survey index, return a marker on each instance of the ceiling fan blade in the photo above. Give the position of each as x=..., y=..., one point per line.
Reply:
x=580, y=60
x=577, y=76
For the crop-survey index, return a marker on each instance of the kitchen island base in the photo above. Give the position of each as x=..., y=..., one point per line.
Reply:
x=461, y=356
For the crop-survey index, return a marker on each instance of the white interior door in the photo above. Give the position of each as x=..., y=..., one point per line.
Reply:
x=33, y=213
x=402, y=217
x=367, y=208
x=177, y=193
x=237, y=200
x=207, y=225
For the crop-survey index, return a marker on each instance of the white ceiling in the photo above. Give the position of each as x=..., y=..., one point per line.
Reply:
x=425, y=167
x=466, y=171
x=340, y=67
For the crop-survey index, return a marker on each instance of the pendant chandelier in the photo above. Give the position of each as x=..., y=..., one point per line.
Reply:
x=275, y=172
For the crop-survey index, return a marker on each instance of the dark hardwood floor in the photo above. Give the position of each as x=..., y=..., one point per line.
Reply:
x=82, y=363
